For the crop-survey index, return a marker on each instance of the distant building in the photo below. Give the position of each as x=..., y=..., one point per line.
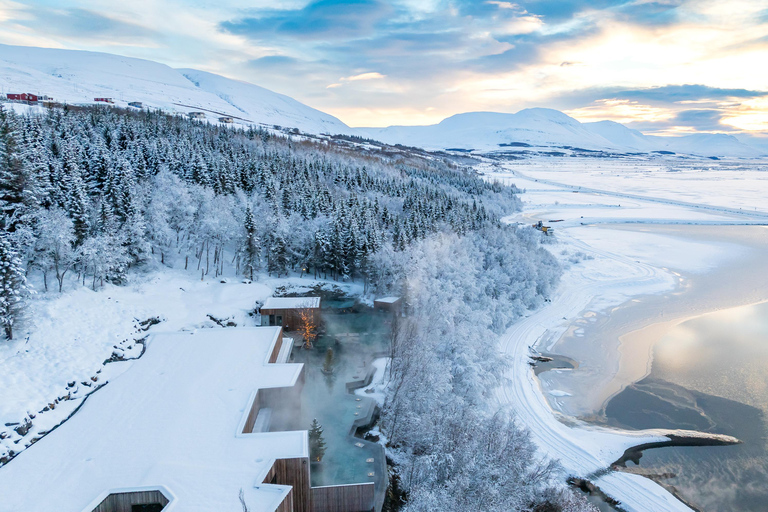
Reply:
x=286, y=311
x=104, y=100
x=226, y=119
x=25, y=97
x=196, y=115
x=135, y=104
x=387, y=304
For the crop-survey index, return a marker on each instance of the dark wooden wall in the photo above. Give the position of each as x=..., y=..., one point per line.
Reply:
x=276, y=348
x=122, y=501
x=343, y=498
x=293, y=472
x=252, y=414
x=291, y=317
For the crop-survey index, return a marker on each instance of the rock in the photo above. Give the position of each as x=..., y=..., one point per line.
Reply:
x=22, y=430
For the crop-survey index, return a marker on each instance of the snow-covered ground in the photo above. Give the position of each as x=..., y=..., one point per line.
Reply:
x=65, y=339
x=606, y=267
x=734, y=185
x=78, y=77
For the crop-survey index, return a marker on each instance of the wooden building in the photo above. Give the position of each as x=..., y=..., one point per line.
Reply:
x=287, y=311
x=392, y=304
x=196, y=115
x=104, y=100
x=24, y=97
x=185, y=427
x=227, y=119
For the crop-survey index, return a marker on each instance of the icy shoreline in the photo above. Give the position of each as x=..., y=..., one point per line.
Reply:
x=587, y=450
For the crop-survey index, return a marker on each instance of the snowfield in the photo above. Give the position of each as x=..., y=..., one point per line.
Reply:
x=615, y=265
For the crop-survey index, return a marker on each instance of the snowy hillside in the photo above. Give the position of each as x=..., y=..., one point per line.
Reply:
x=706, y=144
x=541, y=127
x=79, y=77
x=703, y=144
x=621, y=136
x=491, y=130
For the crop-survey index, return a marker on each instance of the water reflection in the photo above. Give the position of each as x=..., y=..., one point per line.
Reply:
x=709, y=373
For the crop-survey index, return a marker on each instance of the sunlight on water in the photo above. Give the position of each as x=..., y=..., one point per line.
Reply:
x=709, y=373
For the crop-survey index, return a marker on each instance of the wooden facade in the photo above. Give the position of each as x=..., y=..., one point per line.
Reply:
x=289, y=318
x=124, y=501
x=276, y=348
x=343, y=498
x=293, y=472
x=288, y=396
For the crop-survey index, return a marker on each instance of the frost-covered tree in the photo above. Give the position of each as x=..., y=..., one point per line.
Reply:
x=54, y=246
x=13, y=284
x=105, y=257
x=250, y=249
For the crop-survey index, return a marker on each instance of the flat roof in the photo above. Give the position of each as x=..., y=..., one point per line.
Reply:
x=171, y=421
x=387, y=300
x=291, y=303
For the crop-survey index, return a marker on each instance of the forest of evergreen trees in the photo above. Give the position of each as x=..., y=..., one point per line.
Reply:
x=95, y=191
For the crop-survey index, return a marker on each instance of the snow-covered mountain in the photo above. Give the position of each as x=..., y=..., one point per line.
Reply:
x=543, y=128
x=704, y=144
x=491, y=130
x=621, y=136
x=79, y=77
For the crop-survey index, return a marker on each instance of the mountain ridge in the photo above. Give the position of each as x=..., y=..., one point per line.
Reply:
x=78, y=77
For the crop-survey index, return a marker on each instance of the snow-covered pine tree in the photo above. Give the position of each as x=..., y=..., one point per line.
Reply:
x=317, y=446
x=251, y=248
x=13, y=284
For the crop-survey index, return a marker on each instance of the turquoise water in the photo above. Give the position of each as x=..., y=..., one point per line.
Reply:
x=709, y=373
x=355, y=339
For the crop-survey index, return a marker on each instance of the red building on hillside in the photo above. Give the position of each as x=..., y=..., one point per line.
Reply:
x=24, y=97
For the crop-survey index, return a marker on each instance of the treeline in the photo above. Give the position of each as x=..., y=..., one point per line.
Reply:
x=97, y=191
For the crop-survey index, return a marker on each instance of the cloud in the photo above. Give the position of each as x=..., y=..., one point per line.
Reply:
x=364, y=76
x=318, y=20
x=679, y=93
x=702, y=120
x=80, y=23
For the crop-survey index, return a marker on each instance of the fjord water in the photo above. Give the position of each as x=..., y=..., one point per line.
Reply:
x=709, y=373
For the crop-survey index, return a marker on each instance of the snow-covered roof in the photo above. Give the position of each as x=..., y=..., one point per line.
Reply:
x=172, y=420
x=387, y=300
x=291, y=303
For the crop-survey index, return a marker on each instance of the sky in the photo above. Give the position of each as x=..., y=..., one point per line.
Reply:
x=666, y=67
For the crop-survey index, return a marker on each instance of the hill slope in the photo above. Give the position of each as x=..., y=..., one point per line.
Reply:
x=78, y=77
